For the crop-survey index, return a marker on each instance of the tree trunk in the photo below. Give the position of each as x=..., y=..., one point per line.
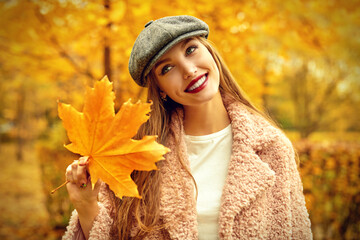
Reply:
x=107, y=49
x=265, y=94
x=19, y=122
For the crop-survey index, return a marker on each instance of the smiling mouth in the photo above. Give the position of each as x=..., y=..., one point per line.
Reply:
x=197, y=84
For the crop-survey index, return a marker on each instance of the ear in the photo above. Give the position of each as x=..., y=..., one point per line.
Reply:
x=163, y=95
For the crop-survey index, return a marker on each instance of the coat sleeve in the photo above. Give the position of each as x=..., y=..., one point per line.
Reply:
x=102, y=223
x=300, y=221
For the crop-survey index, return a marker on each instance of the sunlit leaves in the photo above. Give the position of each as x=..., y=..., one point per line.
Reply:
x=106, y=138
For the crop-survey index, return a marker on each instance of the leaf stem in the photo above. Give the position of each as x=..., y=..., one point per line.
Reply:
x=60, y=186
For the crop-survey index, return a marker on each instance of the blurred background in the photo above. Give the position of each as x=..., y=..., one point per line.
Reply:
x=297, y=60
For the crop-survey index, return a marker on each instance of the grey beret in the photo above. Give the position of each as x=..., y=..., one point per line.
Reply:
x=157, y=38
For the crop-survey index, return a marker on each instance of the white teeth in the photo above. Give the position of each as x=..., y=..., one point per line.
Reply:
x=198, y=83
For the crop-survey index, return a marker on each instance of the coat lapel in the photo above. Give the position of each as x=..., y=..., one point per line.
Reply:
x=177, y=200
x=248, y=176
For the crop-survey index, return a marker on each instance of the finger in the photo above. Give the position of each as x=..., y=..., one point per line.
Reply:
x=89, y=185
x=97, y=184
x=74, y=170
x=83, y=161
x=82, y=175
x=68, y=174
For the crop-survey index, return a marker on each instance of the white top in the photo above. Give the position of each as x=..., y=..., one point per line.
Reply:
x=209, y=157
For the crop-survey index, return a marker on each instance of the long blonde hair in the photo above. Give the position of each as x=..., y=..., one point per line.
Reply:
x=146, y=211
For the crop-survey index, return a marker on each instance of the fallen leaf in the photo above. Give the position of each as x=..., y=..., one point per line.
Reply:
x=106, y=138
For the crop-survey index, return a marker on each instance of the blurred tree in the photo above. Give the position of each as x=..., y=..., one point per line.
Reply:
x=60, y=47
x=298, y=60
x=321, y=97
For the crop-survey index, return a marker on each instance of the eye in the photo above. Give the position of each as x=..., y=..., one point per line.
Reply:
x=165, y=69
x=190, y=50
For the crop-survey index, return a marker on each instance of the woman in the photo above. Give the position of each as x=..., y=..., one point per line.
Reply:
x=231, y=174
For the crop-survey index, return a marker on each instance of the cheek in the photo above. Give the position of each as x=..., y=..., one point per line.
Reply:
x=214, y=66
x=169, y=85
x=209, y=60
x=215, y=70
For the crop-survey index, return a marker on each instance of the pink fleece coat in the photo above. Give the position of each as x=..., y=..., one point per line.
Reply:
x=262, y=197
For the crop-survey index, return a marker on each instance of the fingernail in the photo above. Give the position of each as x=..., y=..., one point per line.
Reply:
x=83, y=162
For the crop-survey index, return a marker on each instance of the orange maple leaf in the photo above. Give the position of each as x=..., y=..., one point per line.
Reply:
x=106, y=138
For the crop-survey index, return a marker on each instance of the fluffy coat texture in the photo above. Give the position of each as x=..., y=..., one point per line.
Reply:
x=262, y=197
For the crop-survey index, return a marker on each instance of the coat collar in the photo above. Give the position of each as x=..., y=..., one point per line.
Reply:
x=177, y=199
x=248, y=176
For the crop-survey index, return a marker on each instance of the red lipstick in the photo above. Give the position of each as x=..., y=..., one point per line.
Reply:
x=197, y=84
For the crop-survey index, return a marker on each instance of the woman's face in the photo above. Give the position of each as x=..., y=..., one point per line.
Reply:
x=188, y=74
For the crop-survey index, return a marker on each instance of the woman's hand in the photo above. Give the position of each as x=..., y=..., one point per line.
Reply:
x=81, y=194
x=79, y=186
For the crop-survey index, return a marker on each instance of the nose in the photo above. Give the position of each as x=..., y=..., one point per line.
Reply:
x=189, y=69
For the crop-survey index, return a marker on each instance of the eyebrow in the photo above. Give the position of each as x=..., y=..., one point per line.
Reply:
x=168, y=59
x=160, y=62
x=185, y=42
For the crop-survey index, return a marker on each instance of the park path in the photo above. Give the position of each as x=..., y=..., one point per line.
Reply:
x=22, y=201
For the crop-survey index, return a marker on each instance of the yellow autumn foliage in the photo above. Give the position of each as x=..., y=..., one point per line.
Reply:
x=297, y=60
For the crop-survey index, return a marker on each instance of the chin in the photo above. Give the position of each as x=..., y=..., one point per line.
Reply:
x=207, y=97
